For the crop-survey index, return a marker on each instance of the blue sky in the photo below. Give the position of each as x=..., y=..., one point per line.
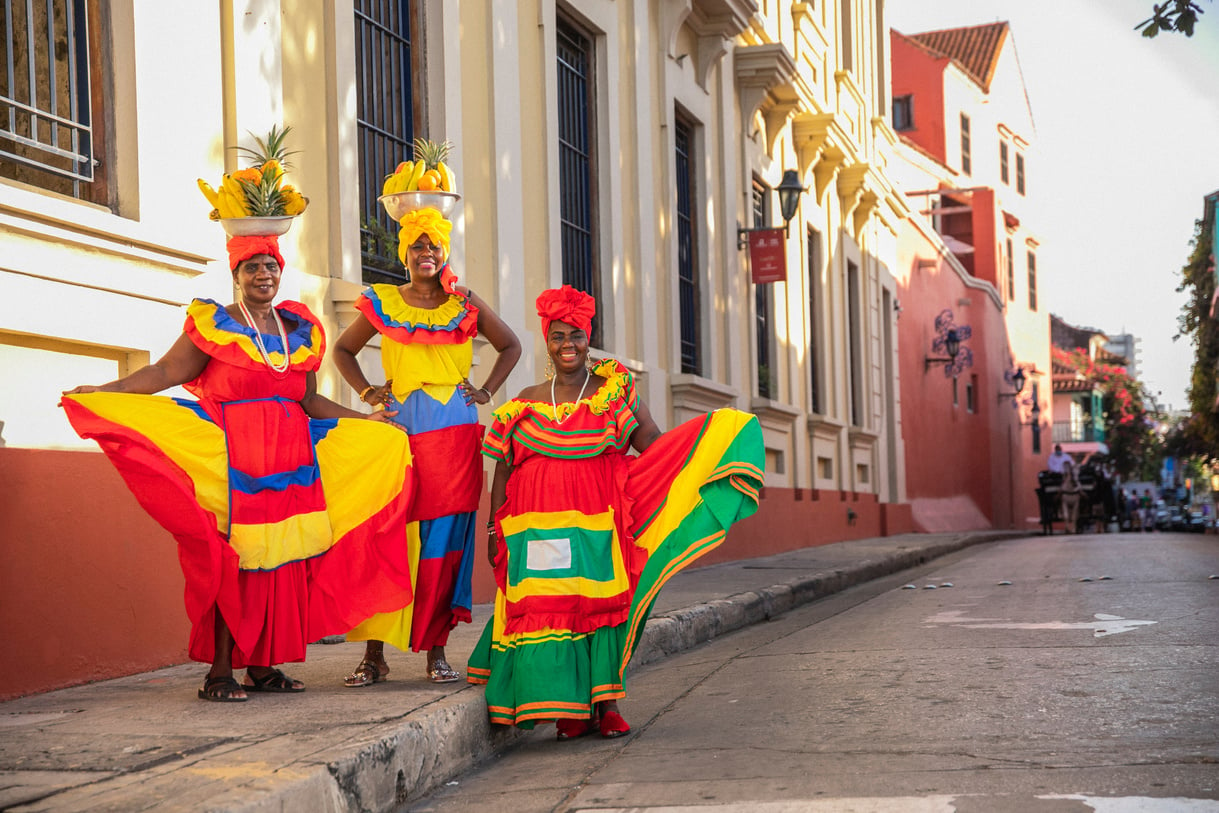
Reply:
x=1127, y=146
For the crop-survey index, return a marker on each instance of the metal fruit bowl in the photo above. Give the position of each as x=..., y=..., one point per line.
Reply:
x=400, y=203
x=256, y=226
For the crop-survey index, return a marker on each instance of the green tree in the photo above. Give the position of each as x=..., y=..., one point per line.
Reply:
x=1173, y=15
x=1199, y=434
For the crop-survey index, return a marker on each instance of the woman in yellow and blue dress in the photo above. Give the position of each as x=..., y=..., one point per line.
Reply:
x=585, y=535
x=288, y=514
x=427, y=327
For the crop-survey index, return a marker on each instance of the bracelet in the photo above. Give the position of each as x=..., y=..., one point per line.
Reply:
x=490, y=397
x=364, y=392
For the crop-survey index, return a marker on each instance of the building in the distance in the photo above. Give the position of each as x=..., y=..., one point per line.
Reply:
x=1129, y=347
x=968, y=269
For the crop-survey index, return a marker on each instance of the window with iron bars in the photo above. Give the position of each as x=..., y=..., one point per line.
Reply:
x=767, y=385
x=578, y=165
x=387, y=111
x=52, y=96
x=687, y=248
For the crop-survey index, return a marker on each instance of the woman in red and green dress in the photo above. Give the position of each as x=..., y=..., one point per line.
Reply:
x=289, y=516
x=585, y=535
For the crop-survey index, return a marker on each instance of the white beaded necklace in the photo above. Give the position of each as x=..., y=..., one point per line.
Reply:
x=555, y=407
x=262, y=348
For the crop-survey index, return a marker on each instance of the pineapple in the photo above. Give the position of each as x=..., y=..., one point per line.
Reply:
x=269, y=149
x=432, y=153
x=436, y=175
x=261, y=182
x=264, y=198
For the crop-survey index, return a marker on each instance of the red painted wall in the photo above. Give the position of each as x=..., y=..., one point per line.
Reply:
x=91, y=588
x=973, y=466
x=918, y=73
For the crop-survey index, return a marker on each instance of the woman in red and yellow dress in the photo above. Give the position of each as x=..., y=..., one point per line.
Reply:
x=427, y=328
x=288, y=515
x=585, y=536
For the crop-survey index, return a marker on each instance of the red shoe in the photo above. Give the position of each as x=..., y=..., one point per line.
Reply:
x=612, y=725
x=569, y=729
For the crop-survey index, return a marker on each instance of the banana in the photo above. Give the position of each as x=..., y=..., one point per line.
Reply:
x=416, y=173
x=233, y=186
x=387, y=186
x=448, y=181
x=231, y=205
x=208, y=192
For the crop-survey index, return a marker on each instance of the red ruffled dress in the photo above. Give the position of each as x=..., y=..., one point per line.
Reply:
x=293, y=528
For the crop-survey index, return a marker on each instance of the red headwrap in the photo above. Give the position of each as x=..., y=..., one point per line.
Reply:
x=242, y=248
x=566, y=304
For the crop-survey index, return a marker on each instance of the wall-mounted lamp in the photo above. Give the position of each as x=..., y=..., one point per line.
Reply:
x=1035, y=415
x=952, y=346
x=789, y=190
x=1016, y=379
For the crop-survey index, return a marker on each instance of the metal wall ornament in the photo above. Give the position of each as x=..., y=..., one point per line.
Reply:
x=948, y=333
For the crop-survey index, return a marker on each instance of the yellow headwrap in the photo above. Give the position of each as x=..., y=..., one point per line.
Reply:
x=427, y=221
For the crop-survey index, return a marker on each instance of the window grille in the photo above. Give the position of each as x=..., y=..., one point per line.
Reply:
x=903, y=113
x=966, y=148
x=577, y=165
x=1011, y=273
x=687, y=265
x=46, y=96
x=761, y=294
x=855, y=342
x=1020, y=173
x=1032, y=281
x=384, y=124
x=814, y=271
x=1003, y=173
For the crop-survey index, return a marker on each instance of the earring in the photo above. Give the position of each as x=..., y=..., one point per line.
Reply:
x=549, y=367
x=589, y=363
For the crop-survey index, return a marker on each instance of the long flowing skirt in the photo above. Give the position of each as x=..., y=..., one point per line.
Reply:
x=445, y=439
x=586, y=546
x=291, y=528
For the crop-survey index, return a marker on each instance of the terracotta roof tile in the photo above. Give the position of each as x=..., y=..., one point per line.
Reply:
x=974, y=49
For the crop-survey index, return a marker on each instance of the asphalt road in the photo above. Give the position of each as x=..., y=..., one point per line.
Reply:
x=1054, y=674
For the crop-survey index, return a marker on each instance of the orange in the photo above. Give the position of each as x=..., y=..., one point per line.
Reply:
x=430, y=181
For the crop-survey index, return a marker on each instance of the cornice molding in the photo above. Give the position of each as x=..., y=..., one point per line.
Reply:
x=765, y=77
x=715, y=22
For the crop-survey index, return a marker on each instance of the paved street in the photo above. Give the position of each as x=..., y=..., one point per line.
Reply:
x=1090, y=682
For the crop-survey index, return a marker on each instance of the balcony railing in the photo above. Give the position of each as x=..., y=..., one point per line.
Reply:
x=1068, y=432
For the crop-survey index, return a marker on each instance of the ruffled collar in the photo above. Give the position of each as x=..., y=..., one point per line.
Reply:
x=397, y=312
x=214, y=331
x=617, y=380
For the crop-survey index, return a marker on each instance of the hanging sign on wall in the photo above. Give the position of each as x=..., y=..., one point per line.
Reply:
x=767, y=256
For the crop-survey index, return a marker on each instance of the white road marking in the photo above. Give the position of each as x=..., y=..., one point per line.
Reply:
x=1102, y=626
x=927, y=804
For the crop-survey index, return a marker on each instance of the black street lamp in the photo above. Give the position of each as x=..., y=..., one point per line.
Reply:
x=952, y=346
x=789, y=190
x=1018, y=379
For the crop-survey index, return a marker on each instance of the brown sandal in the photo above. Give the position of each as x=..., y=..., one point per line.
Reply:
x=221, y=690
x=274, y=681
x=366, y=674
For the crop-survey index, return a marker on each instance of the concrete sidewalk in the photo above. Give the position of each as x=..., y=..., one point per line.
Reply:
x=146, y=742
